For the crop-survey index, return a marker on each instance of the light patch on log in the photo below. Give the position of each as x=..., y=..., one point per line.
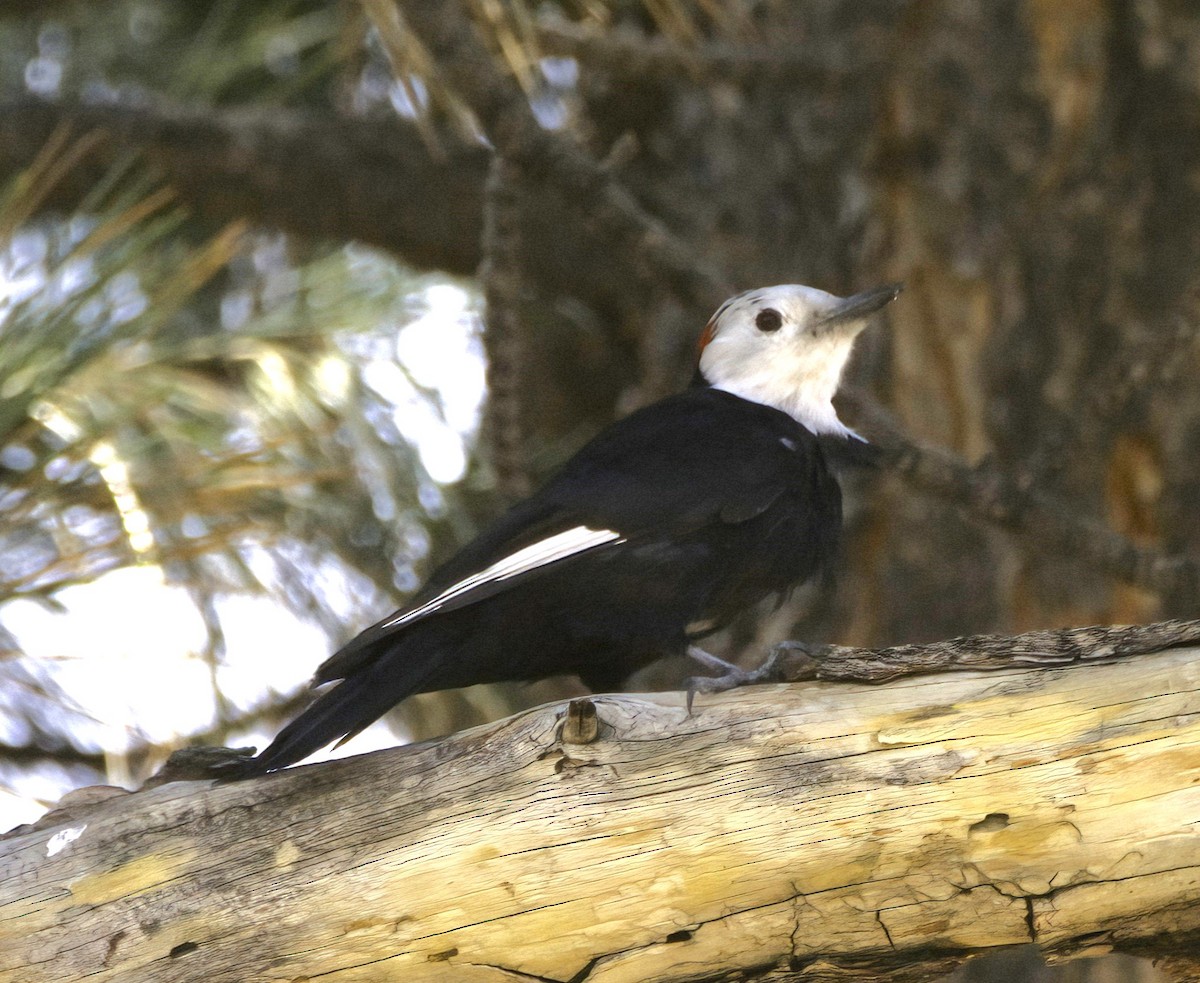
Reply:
x=64, y=838
x=138, y=876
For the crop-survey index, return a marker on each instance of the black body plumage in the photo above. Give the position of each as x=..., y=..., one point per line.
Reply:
x=719, y=502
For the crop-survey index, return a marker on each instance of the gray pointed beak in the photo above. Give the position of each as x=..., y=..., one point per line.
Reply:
x=857, y=308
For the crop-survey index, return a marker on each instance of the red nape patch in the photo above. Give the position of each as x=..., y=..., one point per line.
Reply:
x=706, y=336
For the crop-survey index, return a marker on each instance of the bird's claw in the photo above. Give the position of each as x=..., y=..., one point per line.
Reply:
x=734, y=677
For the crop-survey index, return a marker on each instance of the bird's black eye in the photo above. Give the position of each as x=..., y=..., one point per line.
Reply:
x=768, y=319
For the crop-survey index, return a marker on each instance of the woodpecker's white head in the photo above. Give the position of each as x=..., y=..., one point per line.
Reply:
x=786, y=347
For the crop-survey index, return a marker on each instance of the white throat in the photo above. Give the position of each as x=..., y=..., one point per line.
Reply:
x=800, y=383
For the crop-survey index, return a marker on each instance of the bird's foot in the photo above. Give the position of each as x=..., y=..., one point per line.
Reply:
x=730, y=676
x=788, y=662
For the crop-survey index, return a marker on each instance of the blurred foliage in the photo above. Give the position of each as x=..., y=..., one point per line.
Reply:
x=227, y=404
x=135, y=434
x=214, y=53
x=182, y=404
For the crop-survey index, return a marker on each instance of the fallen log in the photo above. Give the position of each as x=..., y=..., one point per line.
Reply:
x=808, y=831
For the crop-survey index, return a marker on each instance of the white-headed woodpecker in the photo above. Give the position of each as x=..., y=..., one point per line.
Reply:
x=658, y=531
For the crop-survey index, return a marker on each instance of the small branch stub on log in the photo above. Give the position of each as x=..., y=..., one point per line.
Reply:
x=809, y=831
x=581, y=724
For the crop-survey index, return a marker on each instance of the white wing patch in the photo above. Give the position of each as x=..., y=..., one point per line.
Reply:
x=557, y=547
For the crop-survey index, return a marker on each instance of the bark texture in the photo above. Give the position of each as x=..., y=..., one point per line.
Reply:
x=811, y=831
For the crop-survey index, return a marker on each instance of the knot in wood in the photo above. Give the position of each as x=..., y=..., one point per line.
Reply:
x=581, y=724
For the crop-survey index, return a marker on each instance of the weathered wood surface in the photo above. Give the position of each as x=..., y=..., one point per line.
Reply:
x=812, y=831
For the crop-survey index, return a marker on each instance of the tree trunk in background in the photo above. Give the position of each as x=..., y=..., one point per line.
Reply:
x=1029, y=171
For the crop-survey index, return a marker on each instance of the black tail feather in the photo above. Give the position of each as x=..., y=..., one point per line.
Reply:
x=339, y=714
